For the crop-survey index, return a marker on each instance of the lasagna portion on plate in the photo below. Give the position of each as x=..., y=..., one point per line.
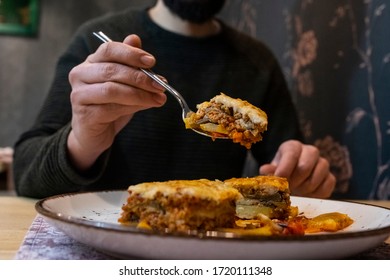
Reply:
x=257, y=205
x=181, y=205
x=228, y=117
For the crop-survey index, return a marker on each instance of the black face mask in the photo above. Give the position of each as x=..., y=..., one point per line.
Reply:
x=196, y=11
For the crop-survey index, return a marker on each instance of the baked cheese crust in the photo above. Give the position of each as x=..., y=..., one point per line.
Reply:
x=230, y=117
x=259, y=186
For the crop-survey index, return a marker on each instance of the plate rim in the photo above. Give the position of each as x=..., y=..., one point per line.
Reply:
x=214, y=235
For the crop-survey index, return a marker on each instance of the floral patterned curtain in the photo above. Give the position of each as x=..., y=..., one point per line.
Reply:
x=336, y=59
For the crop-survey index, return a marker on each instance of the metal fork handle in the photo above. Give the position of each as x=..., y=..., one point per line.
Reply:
x=174, y=92
x=103, y=37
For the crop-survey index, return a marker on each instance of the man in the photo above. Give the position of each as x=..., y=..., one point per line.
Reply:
x=110, y=125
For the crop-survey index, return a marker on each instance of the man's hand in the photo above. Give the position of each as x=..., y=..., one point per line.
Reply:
x=107, y=89
x=307, y=172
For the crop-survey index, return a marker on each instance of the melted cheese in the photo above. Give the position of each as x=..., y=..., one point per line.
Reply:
x=211, y=127
x=267, y=184
x=202, y=188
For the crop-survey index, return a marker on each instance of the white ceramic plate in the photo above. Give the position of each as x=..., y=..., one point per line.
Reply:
x=91, y=218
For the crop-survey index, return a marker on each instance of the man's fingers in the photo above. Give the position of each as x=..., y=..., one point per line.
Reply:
x=133, y=40
x=267, y=169
x=122, y=54
x=306, y=166
x=287, y=158
x=319, y=183
x=116, y=93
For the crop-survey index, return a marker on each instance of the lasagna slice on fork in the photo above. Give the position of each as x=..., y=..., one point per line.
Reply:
x=229, y=117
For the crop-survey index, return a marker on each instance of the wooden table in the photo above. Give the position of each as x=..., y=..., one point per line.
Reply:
x=17, y=214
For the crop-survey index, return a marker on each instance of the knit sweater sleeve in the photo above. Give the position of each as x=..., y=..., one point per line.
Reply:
x=41, y=164
x=42, y=167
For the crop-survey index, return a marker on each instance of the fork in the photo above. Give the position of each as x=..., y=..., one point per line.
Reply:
x=185, y=109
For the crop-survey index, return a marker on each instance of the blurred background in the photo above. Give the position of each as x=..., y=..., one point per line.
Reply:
x=335, y=55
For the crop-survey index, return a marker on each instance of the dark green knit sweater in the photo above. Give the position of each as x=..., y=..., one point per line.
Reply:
x=155, y=145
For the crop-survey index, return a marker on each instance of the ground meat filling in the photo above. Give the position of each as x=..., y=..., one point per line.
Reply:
x=239, y=127
x=180, y=213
